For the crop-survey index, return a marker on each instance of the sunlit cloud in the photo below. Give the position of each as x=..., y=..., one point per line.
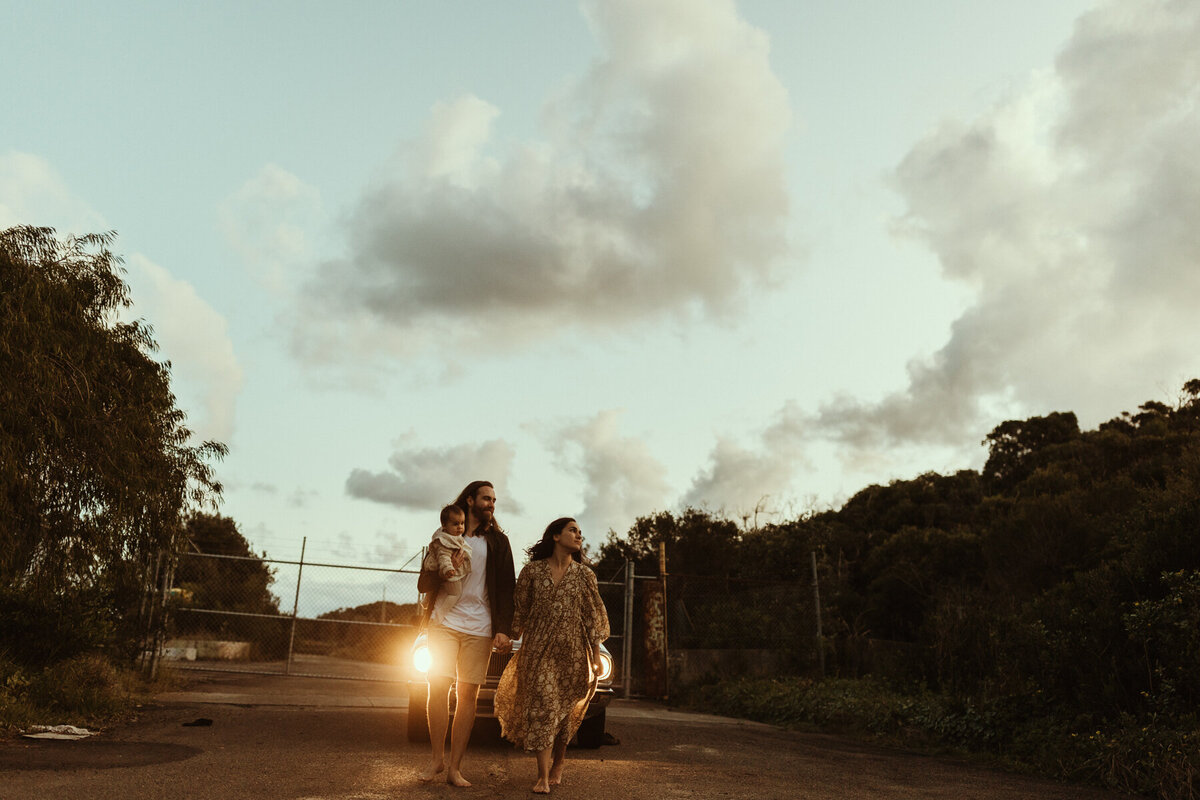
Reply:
x=621, y=478
x=657, y=188
x=205, y=373
x=427, y=478
x=1069, y=209
x=274, y=222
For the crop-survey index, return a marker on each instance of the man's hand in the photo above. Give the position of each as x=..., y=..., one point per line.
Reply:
x=502, y=643
x=457, y=558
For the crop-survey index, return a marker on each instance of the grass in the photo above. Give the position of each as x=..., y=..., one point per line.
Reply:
x=87, y=690
x=1156, y=758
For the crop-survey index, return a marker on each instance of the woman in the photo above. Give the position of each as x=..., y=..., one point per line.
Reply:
x=560, y=618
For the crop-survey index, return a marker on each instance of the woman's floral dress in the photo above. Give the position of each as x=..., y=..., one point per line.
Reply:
x=545, y=689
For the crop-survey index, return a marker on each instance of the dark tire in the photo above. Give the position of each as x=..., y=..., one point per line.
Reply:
x=591, y=732
x=418, y=725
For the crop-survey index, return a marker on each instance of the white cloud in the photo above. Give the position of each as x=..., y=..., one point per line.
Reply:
x=195, y=338
x=622, y=479
x=33, y=193
x=1070, y=209
x=741, y=479
x=272, y=221
x=658, y=188
x=425, y=479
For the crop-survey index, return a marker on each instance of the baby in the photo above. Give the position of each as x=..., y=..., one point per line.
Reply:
x=439, y=558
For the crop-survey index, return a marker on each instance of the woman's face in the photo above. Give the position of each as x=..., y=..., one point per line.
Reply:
x=570, y=538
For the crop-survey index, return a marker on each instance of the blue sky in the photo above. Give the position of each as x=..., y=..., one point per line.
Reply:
x=618, y=257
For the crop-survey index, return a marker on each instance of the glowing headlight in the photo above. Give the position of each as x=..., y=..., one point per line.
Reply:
x=421, y=659
x=606, y=666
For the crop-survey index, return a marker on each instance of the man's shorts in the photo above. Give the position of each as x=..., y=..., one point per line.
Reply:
x=458, y=655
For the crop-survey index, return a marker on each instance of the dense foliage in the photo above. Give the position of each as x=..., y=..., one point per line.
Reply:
x=1056, y=589
x=96, y=464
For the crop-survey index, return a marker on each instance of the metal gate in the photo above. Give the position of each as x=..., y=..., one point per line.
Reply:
x=312, y=619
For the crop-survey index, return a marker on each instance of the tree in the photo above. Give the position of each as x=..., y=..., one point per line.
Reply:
x=242, y=583
x=96, y=464
x=1014, y=446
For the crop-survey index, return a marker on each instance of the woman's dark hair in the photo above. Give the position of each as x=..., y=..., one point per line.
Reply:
x=469, y=491
x=544, y=547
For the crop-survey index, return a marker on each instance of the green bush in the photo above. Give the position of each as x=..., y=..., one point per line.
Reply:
x=42, y=630
x=85, y=685
x=1156, y=757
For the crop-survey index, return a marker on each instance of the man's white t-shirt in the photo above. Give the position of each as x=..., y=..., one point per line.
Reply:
x=471, y=614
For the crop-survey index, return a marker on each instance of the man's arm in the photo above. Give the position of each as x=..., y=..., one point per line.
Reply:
x=505, y=583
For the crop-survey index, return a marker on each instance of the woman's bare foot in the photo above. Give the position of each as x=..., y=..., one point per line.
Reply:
x=430, y=772
x=455, y=778
x=541, y=787
x=556, y=774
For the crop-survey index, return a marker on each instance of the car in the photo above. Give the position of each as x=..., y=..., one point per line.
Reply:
x=590, y=734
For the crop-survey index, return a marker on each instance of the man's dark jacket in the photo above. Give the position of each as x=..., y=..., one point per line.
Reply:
x=499, y=577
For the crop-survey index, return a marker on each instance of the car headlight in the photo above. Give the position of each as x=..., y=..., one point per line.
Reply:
x=606, y=666
x=421, y=658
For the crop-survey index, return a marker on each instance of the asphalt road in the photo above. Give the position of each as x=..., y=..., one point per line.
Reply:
x=303, y=739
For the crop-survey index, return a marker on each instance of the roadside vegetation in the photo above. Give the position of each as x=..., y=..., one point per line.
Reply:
x=1044, y=610
x=97, y=474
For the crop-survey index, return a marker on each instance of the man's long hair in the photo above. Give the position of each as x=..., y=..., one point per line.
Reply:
x=469, y=492
x=544, y=547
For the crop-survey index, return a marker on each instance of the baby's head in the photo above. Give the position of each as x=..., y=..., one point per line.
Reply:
x=454, y=522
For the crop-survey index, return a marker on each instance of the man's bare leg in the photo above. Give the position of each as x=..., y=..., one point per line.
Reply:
x=558, y=758
x=460, y=734
x=437, y=713
x=543, y=769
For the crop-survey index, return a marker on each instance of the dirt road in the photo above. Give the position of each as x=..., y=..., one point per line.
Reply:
x=352, y=747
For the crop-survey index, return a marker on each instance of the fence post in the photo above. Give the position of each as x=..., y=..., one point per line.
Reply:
x=287, y=670
x=666, y=651
x=816, y=587
x=627, y=630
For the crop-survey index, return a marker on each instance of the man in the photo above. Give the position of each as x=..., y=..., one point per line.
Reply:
x=461, y=644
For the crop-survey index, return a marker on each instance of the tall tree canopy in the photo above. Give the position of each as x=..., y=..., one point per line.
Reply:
x=96, y=463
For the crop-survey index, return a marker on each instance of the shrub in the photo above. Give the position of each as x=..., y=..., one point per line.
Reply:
x=86, y=685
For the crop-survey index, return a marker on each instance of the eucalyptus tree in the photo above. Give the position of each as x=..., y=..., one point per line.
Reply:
x=97, y=465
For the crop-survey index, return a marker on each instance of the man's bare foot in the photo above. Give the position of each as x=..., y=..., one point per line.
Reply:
x=430, y=772
x=455, y=778
x=541, y=787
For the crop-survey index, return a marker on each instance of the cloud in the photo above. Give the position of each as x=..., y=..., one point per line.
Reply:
x=657, y=188
x=1069, y=208
x=738, y=478
x=32, y=192
x=425, y=479
x=195, y=338
x=271, y=221
x=622, y=480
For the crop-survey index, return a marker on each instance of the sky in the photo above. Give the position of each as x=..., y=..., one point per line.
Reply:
x=618, y=257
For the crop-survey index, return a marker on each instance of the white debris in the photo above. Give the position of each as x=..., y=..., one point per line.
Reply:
x=56, y=732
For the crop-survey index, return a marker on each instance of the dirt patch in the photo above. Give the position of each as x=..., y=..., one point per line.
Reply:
x=27, y=754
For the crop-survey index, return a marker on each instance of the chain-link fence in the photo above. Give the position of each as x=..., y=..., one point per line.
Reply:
x=271, y=616
x=251, y=614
